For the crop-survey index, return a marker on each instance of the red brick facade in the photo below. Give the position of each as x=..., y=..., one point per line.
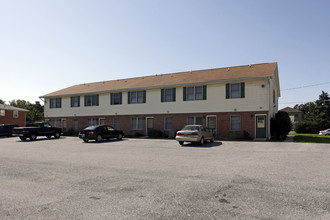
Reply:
x=8, y=117
x=223, y=120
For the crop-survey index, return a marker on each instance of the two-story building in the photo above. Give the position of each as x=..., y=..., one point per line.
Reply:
x=233, y=101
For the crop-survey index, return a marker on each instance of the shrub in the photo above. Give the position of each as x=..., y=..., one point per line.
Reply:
x=312, y=127
x=280, y=126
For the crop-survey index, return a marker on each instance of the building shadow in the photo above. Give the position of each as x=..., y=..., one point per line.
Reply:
x=205, y=145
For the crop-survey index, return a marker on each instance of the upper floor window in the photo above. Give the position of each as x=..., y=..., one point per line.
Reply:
x=55, y=103
x=168, y=95
x=136, y=97
x=91, y=100
x=75, y=101
x=194, y=93
x=235, y=90
x=116, y=98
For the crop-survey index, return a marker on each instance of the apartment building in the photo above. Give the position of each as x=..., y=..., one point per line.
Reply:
x=234, y=102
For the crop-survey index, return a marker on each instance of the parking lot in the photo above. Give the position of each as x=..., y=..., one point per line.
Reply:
x=158, y=179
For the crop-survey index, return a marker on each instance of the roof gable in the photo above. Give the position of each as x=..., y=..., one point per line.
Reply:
x=173, y=79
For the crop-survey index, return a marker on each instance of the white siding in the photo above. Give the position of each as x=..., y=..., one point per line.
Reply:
x=257, y=98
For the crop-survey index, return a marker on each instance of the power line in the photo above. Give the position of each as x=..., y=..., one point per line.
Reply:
x=301, y=87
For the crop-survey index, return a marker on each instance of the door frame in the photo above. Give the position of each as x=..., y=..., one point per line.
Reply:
x=266, y=126
x=153, y=124
x=216, y=126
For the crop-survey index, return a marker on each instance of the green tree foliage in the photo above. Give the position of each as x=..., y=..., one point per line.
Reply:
x=2, y=102
x=316, y=115
x=35, y=113
x=280, y=126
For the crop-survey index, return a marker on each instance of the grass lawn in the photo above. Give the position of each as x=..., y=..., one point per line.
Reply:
x=310, y=138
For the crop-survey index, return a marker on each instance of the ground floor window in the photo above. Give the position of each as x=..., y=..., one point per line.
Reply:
x=15, y=114
x=137, y=123
x=2, y=112
x=194, y=120
x=57, y=123
x=168, y=123
x=92, y=121
x=235, y=123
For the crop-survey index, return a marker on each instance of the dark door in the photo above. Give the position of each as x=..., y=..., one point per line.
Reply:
x=150, y=125
x=261, y=126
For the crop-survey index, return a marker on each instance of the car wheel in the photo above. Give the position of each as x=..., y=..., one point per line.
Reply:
x=22, y=138
x=201, y=142
x=99, y=138
x=181, y=142
x=212, y=139
x=33, y=137
x=85, y=140
x=57, y=135
x=119, y=137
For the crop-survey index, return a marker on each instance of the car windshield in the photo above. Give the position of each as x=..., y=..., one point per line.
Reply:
x=191, y=128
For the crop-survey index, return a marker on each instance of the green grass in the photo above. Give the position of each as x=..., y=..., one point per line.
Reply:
x=310, y=138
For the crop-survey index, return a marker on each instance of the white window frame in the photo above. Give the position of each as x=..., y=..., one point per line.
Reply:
x=195, y=120
x=171, y=124
x=232, y=128
x=15, y=114
x=137, y=124
x=2, y=112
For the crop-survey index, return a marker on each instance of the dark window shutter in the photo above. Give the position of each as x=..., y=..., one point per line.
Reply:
x=144, y=96
x=162, y=95
x=97, y=100
x=111, y=99
x=227, y=90
x=85, y=100
x=129, y=98
x=242, y=90
x=71, y=101
x=184, y=93
x=120, y=98
x=174, y=94
x=204, y=93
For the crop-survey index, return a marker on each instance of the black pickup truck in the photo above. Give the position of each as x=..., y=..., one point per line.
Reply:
x=37, y=129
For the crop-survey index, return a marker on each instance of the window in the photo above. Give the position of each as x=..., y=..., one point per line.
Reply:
x=136, y=97
x=194, y=93
x=57, y=123
x=2, y=112
x=116, y=123
x=75, y=101
x=235, y=90
x=55, y=103
x=137, y=123
x=168, y=95
x=168, y=123
x=116, y=98
x=235, y=123
x=92, y=100
x=194, y=120
x=102, y=121
x=92, y=121
x=15, y=114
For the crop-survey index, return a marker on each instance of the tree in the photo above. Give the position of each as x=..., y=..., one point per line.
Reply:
x=323, y=104
x=2, y=102
x=35, y=113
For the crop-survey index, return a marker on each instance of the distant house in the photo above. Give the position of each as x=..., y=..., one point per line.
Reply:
x=12, y=115
x=294, y=114
x=234, y=102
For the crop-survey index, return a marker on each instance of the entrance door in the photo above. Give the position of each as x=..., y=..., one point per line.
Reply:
x=150, y=125
x=211, y=123
x=261, y=127
x=63, y=125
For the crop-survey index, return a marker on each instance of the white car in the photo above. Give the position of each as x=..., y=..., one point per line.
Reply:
x=194, y=133
x=325, y=132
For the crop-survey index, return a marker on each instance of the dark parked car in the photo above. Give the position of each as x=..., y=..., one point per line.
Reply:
x=7, y=130
x=100, y=132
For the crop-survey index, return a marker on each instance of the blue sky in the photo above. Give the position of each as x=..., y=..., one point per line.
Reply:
x=49, y=45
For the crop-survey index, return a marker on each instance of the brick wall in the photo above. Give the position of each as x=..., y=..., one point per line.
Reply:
x=9, y=118
x=178, y=122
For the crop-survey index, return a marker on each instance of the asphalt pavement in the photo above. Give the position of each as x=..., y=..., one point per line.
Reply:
x=158, y=179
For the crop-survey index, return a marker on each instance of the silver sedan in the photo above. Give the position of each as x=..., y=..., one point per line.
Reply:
x=194, y=133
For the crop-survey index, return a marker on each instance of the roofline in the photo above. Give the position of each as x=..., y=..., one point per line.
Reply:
x=159, y=86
